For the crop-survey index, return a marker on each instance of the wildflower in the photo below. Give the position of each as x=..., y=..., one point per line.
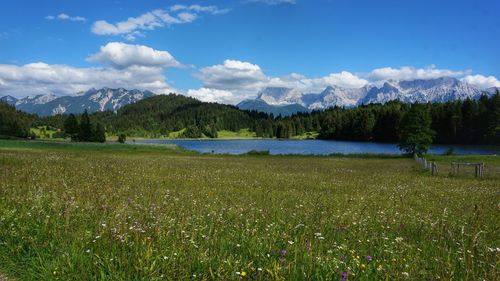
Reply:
x=369, y=258
x=405, y=274
x=243, y=274
x=399, y=239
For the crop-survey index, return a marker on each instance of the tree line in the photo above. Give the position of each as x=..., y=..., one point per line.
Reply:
x=14, y=123
x=454, y=122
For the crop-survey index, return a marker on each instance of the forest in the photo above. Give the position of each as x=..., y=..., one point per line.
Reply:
x=454, y=122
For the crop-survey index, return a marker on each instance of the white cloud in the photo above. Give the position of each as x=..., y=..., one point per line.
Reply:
x=66, y=17
x=232, y=75
x=235, y=80
x=244, y=80
x=274, y=2
x=42, y=78
x=134, y=27
x=411, y=73
x=131, y=66
x=121, y=55
x=214, y=10
x=481, y=81
x=314, y=85
x=214, y=95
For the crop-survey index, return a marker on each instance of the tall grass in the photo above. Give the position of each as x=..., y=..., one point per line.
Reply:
x=70, y=214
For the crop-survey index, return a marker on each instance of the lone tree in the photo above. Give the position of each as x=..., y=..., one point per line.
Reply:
x=71, y=127
x=415, y=133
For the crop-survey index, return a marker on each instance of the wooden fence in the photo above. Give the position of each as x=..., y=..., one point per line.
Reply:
x=428, y=165
x=455, y=167
x=478, y=168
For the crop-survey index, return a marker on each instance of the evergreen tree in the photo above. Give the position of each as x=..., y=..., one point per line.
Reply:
x=416, y=133
x=99, y=134
x=192, y=131
x=71, y=127
x=12, y=122
x=492, y=135
x=85, y=133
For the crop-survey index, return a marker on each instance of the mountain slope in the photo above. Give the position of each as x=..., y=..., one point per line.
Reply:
x=161, y=114
x=262, y=106
x=431, y=90
x=93, y=100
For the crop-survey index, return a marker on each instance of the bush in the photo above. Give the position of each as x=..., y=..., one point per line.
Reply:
x=258, y=152
x=122, y=138
x=448, y=151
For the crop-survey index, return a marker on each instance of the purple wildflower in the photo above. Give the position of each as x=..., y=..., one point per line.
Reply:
x=369, y=258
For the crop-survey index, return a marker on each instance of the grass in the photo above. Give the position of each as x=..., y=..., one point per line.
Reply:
x=241, y=134
x=307, y=135
x=103, y=212
x=42, y=133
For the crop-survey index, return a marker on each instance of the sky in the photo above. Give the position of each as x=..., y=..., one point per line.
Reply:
x=227, y=51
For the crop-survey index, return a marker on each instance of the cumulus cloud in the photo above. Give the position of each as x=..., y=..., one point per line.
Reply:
x=66, y=17
x=135, y=27
x=313, y=85
x=482, y=82
x=214, y=95
x=411, y=73
x=42, y=78
x=127, y=66
x=235, y=80
x=232, y=75
x=121, y=55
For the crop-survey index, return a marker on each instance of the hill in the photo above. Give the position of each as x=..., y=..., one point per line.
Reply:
x=159, y=115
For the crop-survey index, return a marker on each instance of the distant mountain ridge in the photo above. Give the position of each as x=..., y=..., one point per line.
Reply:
x=93, y=100
x=430, y=90
x=276, y=110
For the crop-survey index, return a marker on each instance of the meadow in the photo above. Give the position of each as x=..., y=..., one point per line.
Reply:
x=135, y=212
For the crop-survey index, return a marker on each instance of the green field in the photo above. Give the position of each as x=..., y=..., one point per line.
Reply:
x=123, y=212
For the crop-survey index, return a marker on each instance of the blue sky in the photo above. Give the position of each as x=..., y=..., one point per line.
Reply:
x=228, y=50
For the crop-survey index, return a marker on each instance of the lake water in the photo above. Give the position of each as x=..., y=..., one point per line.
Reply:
x=316, y=147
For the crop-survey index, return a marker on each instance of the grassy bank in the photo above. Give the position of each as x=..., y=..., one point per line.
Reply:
x=123, y=212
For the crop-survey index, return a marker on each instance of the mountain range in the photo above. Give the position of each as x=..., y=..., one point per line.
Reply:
x=278, y=100
x=93, y=100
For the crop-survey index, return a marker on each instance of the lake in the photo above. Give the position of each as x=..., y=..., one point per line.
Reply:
x=313, y=147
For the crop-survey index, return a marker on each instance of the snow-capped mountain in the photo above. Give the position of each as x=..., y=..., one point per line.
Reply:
x=280, y=96
x=93, y=100
x=493, y=90
x=434, y=90
x=9, y=99
x=431, y=90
